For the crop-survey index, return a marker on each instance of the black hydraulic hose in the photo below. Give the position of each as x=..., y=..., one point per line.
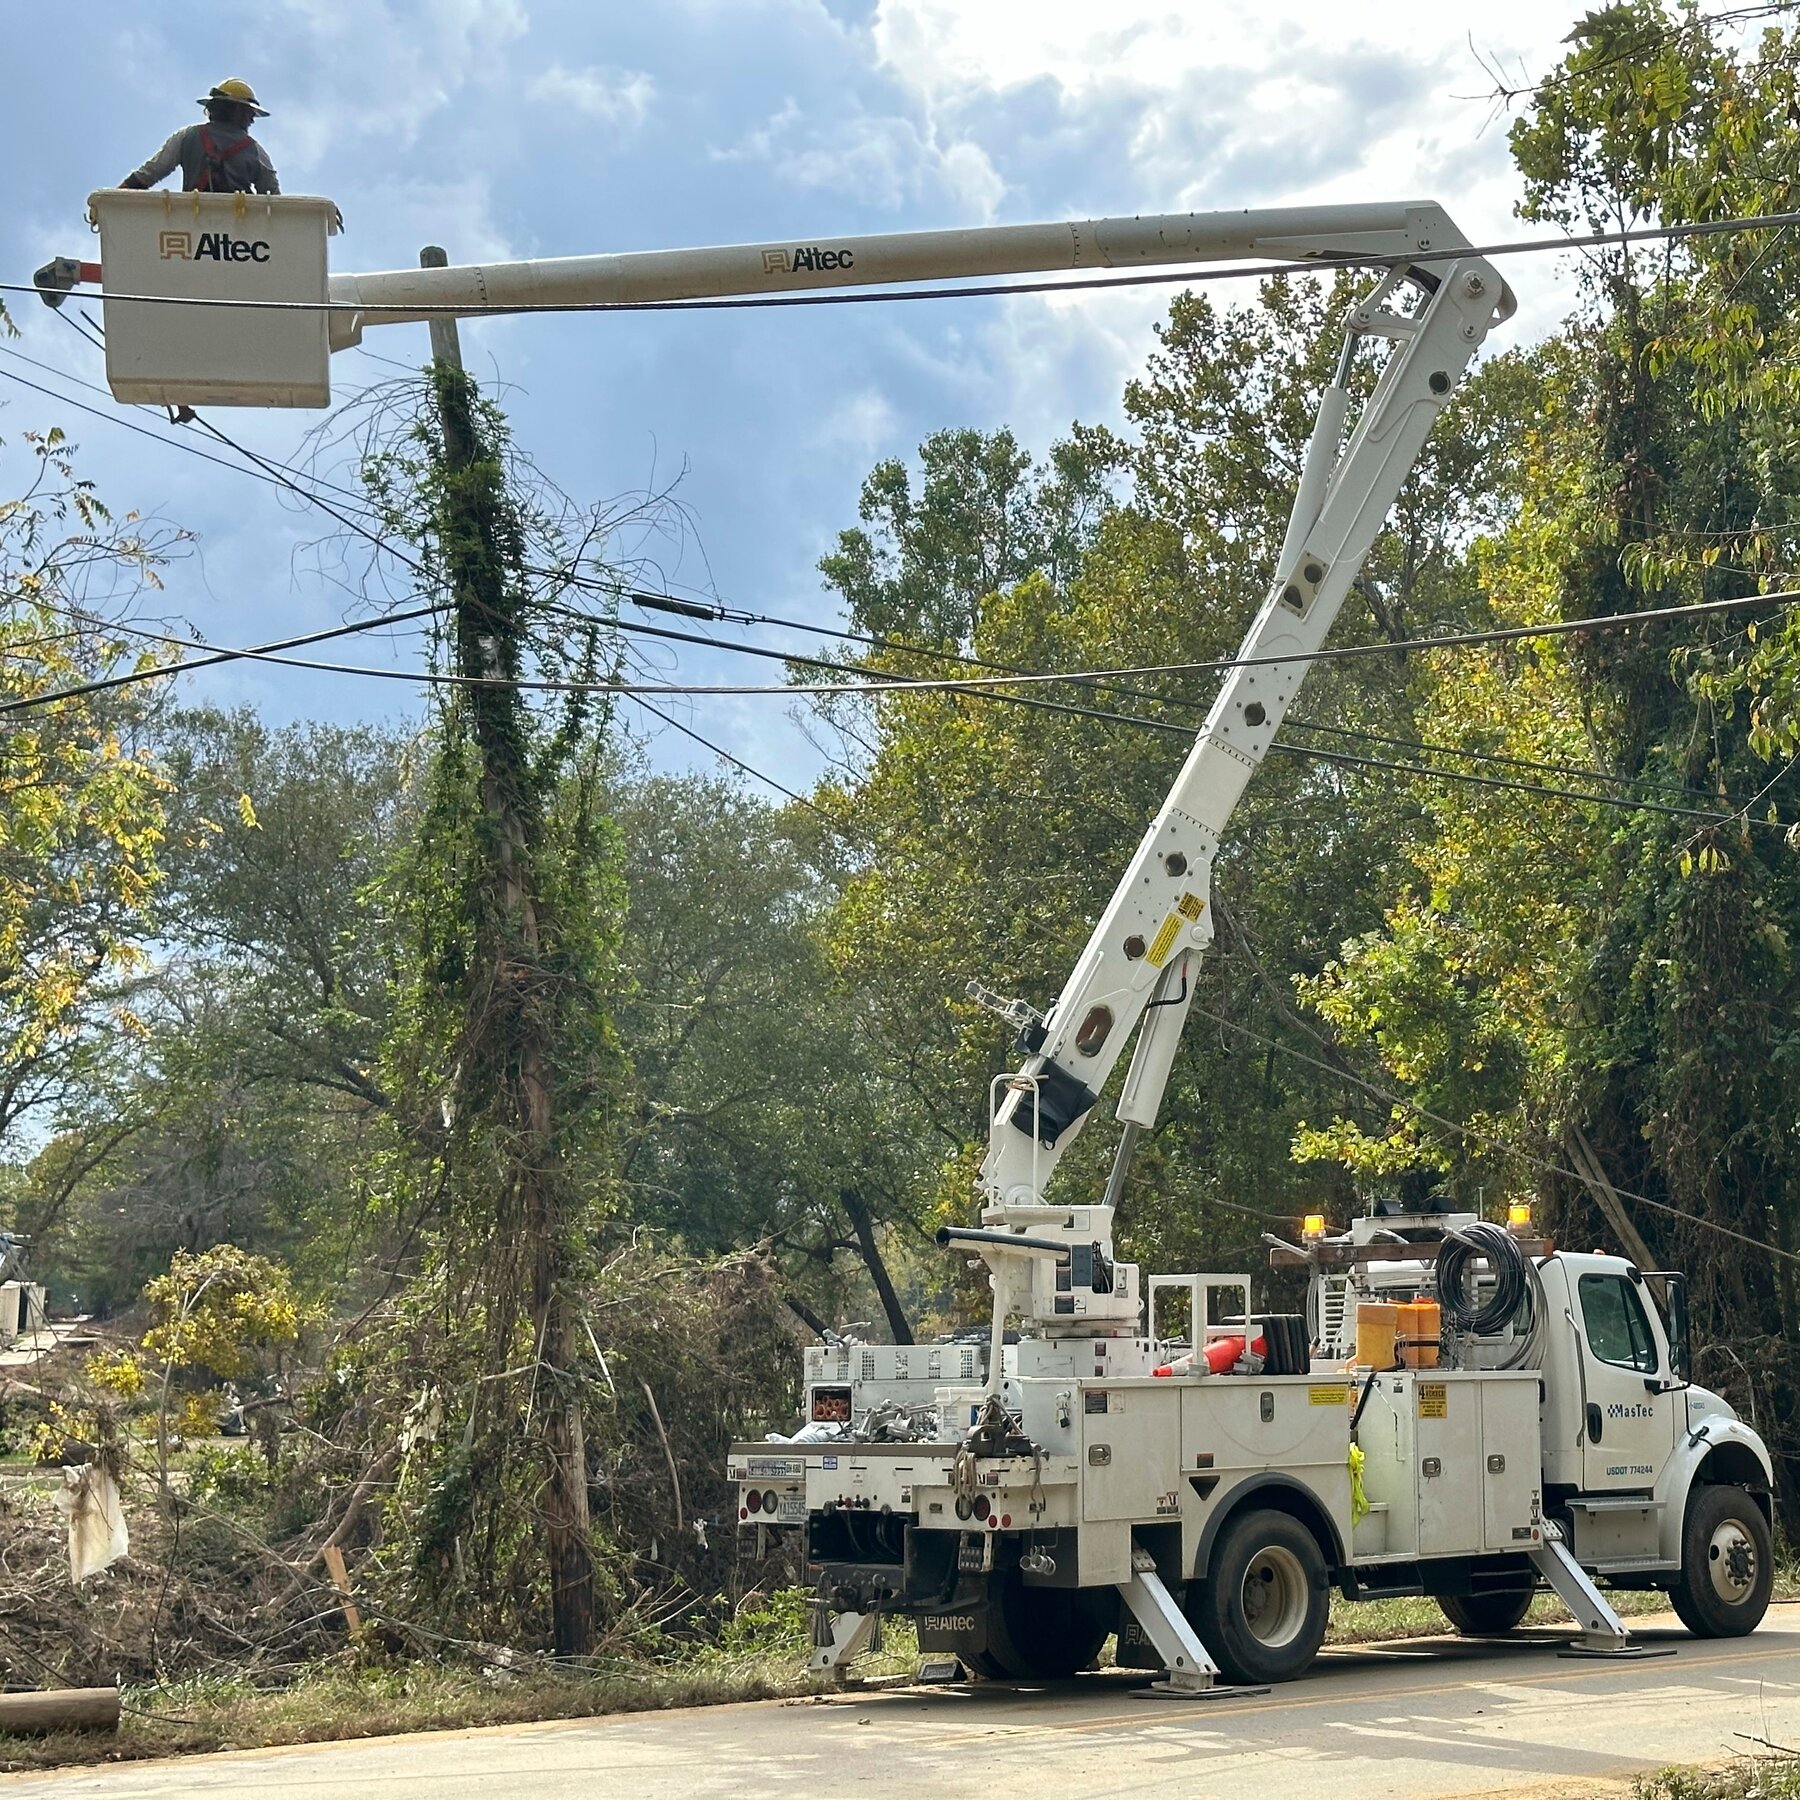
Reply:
x=1460, y=1250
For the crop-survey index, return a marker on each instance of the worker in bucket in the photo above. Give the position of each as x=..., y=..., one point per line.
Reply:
x=219, y=157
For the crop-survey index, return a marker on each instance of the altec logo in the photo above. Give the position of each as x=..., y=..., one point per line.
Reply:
x=806, y=257
x=211, y=246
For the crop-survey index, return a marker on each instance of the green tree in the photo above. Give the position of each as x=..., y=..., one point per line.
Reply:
x=764, y=1113
x=81, y=797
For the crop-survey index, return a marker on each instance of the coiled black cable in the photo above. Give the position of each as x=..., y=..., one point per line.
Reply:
x=1457, y=1292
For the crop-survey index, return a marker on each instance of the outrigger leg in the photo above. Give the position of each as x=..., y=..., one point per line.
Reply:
x=839, y=1637
x=1601, y=1632
x=1188, y=1672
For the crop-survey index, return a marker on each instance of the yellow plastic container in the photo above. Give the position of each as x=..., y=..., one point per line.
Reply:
x=1418, y=1326
x=1377, y=1326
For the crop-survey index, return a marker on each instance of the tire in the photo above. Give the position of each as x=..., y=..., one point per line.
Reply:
x=1727, y=1564
x=1038, y=1633
x=1261, y=1611
x=1485, y=1615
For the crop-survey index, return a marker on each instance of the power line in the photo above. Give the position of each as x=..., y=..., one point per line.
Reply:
x=1627, y=803
x=981, y=290
x=261, y=652
x=841, y=826
x=980, y=684
x=280, y=476
x=976, y=690
x=724, y=614
x=1481, y=1137
x=112, y=418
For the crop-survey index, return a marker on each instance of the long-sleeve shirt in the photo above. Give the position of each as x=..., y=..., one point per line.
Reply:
x=246, y=164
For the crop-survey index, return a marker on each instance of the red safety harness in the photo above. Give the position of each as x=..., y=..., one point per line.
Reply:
x=214, y=177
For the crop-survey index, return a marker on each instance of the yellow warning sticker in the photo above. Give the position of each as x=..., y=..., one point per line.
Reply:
x=1190, y=906
x=1434, y=1400
x=1164, y=941
x=1337, y=1395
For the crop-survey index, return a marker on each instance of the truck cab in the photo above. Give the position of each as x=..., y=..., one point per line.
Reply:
x=1638, y=1459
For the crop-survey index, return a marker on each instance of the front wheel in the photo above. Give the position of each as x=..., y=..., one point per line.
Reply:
x=1727, y=1564
x=1485, y=1615
x=1262, y=1609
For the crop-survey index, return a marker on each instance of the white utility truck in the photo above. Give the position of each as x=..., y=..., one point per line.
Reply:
x=1198, y=1491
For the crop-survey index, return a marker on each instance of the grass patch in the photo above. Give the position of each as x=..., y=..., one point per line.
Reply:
x=1755, y=1778
x=1417, y=1615
x=335, y=1702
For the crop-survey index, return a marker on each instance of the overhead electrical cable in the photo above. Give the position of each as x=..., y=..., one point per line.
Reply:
x=902, y=646
x=1342, y=759
x=1448, y=641
x=280, y=475
x=1475, y=1135
x=262, y=652
x=1186, y=274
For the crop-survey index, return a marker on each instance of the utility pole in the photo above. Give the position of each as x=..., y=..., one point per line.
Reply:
x=517, y=1070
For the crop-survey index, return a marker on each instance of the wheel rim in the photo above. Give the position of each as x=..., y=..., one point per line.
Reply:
x=1731, y=1563
x=1276, y=1598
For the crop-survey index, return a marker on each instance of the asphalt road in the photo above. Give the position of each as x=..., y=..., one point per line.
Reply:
x=1430, y=1717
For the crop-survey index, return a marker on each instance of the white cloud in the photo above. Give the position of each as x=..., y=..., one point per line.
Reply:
x=620, y=97
x=862, y=427
x=412, y=58
x=881, y=160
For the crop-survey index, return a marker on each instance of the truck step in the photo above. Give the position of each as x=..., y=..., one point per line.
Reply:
x=1619, y=1503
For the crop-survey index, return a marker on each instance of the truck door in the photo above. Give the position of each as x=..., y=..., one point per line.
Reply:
x=1629, y=1426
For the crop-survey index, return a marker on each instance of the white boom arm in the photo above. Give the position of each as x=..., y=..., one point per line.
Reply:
x=1380, y=232
x=1139, y=964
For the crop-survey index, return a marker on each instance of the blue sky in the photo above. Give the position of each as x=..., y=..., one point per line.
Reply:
x=506, y=128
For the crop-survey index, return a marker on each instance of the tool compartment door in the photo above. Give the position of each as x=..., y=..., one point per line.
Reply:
x=1131, y=1451
x=1447, y=1446
x=1511, y=1462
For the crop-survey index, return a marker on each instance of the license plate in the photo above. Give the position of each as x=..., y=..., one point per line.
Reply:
x=791, y=1509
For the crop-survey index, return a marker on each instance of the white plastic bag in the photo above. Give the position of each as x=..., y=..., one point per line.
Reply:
x=97, y=1534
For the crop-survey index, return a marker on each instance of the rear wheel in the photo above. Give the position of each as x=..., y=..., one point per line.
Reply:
x=1727, y=1564
x=1039, y=1633
x=1262, y=1609
x=1485, y=1615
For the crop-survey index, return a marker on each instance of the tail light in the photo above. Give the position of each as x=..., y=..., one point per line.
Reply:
x=753, y=1500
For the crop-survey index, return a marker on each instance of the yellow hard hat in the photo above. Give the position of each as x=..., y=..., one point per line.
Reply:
x=239, y=91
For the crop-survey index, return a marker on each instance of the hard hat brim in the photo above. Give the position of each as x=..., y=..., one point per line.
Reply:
x=256, y=112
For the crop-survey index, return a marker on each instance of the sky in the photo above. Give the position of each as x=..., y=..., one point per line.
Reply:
x=518, y=128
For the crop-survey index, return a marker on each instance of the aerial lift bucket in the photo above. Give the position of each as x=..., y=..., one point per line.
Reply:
x=173, y=247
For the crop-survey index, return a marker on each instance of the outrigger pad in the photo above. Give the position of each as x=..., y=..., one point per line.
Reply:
x=939, y=1671
x=1166, y=1690
x=1624, y=1653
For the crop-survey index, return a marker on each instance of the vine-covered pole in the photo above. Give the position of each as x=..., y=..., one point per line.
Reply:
x=486, y=634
